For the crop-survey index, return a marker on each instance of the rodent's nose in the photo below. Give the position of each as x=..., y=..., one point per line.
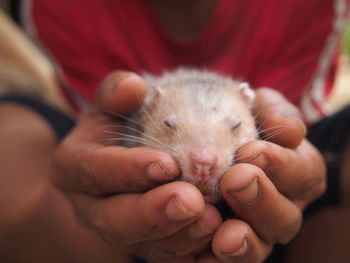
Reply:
x=202, y=162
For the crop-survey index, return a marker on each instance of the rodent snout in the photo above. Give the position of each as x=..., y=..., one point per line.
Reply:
x=202, y=163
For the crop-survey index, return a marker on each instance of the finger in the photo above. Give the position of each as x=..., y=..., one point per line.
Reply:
x=188, y=241
x=120, y=93
x=235, y=242
x=81, y=155
x=254, y=198
x=95, y=168
x=101, y=170
x=278, y=120
x=298, y=174
x=134, y=218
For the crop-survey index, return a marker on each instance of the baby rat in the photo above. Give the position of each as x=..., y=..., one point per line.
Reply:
x=201, y=118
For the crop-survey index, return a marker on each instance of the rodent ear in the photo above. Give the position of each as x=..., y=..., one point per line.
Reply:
x=153, y=93
x=248, y=95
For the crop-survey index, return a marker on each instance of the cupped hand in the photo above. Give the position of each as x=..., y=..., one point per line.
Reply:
x=120, y=193
x=273, y=181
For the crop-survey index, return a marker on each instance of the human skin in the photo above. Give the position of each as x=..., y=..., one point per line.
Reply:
x=328, y=229
x=322, y=245
x=97, y=178
x=139, y=200
x=127, y=217
x=37, y=223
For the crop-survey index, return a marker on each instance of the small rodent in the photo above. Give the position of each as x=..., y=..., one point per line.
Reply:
x=201, y=118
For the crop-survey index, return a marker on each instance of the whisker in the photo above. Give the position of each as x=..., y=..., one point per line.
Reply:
x=240, y=156
x=154, y=151
x=123, y=117
x=142, y=139
x=140, y=132
x=146, y=143
x=279, y=128
x=131, y=137
x=270, y=136
x=257, y=114
x=124, y=127
x=259, y=125
x=125, y=135
x=147, y=137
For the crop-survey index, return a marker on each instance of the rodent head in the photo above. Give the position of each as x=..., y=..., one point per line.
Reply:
x=201, y=123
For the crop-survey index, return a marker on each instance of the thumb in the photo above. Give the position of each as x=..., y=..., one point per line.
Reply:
x=120, y=93
x=280, y=121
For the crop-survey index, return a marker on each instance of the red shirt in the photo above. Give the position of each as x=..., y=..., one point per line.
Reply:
x=288, y=45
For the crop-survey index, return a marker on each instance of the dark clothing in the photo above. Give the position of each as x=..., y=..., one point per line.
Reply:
x=60, y=122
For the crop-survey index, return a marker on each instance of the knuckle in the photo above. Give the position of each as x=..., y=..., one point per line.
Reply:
x=154, y=228
x=321, y=188
x=88, y=177
x=291, y=228
x=148, y=232
x=278, y=160
x=275, y=153
x=86, y=174
x=73, y=169
x=262, y=146
x=251, y=151
x=318, y=179
x=150, y=227
x=319, y=185
x=103, y=226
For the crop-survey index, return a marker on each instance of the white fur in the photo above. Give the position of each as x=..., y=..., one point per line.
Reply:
x=203, y=107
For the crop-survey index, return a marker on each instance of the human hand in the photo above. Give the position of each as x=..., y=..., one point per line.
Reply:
x=118, y=192
x=82, y=156
x=270, y=186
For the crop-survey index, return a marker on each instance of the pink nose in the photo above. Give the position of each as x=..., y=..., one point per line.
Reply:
x=202, y=162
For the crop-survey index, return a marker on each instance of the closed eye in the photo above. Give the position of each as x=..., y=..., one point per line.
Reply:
x=234, y=127
x=169, y=125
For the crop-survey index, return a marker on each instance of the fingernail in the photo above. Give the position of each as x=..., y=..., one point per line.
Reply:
x=301, y=125
x=113, y=80
x=127, y=77
x=156, y=171
x=298, y=122
x=261, y=160
x=247, y=194
x=239, y=252
x=199, y=230
x=176, y=210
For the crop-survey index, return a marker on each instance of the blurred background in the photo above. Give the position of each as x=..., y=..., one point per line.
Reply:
x=4, y=5
x=24, y=68
x=341, y=94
